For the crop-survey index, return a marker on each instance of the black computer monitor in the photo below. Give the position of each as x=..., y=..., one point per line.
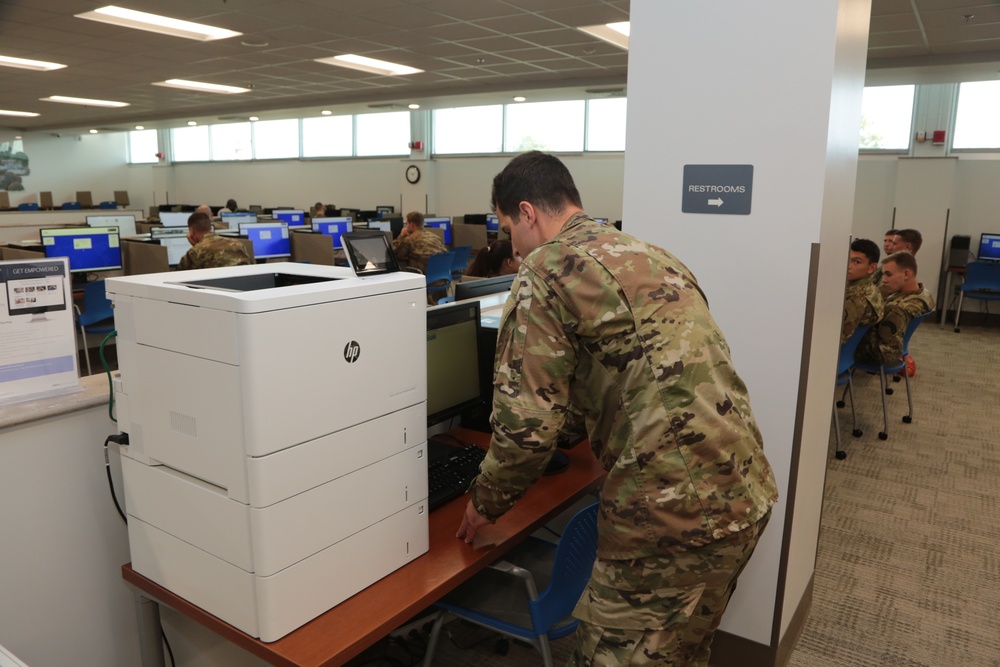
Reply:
x=453, y=385
x=293, y=217
x=442, y=224
x=124, y=223
x=88, y=248
x=476, y=218
x=269, y=239
x=333, y=227
x=989, y=247
x=233, y=220
x=385, y=210
x=174, y=239
x=477, y=288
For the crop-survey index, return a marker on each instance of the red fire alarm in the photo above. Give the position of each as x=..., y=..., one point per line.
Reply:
x=160, y=156
x=938, y=139
x=416, y=145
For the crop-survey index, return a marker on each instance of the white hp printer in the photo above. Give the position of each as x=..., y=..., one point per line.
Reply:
x=276, y=416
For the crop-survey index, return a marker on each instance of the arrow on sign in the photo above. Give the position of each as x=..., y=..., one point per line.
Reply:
x=715, y=202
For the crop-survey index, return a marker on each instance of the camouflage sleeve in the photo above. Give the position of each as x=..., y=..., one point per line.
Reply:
x=534, y=366
x=401, y=249
x=855, y=306
x=185, y=262
x=889, y=334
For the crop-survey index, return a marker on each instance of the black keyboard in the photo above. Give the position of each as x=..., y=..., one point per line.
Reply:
x=450, y=470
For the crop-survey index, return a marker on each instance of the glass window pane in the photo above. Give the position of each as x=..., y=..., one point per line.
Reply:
x=328, y=136
x=886, y=117
x=274, y=139
x=606, y=124
x=468, y=130
x=384, y=133
x=545, y=126
x=143, y=146
x=189, y=144
x=977, y=121
x=231, y=142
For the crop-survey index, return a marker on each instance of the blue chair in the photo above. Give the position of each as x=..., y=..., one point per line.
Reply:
x=982, y=281
x=108, y=204
x=71, y=206
x=98, y=317
x=438, y=274
x=27, y=207
x=460, y=260
x=885, y=370
x=845, y=363
x=505, y=597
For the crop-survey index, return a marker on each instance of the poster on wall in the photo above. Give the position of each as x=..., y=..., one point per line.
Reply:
x=13, y=165
x=37, y=339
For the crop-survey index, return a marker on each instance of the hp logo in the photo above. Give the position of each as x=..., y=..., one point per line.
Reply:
x=352, y=351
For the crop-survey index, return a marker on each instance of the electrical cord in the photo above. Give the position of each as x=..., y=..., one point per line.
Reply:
x=107, y=369
x=166, y=643
x=121, y=439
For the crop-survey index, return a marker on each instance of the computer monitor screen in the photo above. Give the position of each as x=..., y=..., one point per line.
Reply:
x=334, y=227
x=475, y=218
x=34, y=287
x=124, y=223
x=236, y=219
x=269, y=239
x=385, y=210
x=381, y=225
x=369, y=254
x=88, y=248
x=293, y=218
x=989, y=247
x=477, y=288
x=174, y=219
x=174, y=239
x=492, y=223
x=440, y=223
x=452, y=360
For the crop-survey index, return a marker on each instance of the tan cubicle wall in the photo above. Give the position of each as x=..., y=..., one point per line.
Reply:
x=473, y=235
x=312, y=247
x=139, y=257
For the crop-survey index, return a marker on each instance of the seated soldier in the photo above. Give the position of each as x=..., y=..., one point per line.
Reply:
x=862, y=299
x=209, y=250
x=907, y=298
x=415, y=244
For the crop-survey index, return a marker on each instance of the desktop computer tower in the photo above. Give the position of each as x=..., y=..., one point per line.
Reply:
x=276, y=416
x=958, y=256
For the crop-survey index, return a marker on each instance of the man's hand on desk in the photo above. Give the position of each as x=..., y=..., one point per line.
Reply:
x=471, y=523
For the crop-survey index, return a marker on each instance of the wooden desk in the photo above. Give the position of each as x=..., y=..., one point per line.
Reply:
x=355, y=624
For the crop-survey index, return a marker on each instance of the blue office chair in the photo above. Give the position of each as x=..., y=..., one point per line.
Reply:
x=460, y=260
x=32, y=206
x=438, y=274
x=98, y=317
x=982, y=281
x=845, y=363
x=505, y=597
x=885, y=370
x=71, y=206
x=108, y=204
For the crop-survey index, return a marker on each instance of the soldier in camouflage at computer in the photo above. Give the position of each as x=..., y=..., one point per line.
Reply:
x=620, y=330
x=862, y=298
x=415, y=244
x=907, y=298
x=210, y=250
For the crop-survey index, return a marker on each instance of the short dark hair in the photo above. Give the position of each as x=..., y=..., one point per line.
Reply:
x=416, y=217
x=912, y=237
x=536, y=177
x=893, y=232
x=231, y=205
x=200, y=222
x=868, y=248
x=903, y=260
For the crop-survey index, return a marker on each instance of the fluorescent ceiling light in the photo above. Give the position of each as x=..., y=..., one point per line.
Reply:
x=201, y=86
x=370, y=65
x=25, y=114
x=164, y=25
x=24, y=63
x=612, y=33
x=83, y=100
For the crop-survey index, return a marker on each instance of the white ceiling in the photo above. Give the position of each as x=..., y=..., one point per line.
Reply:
x=481, y=50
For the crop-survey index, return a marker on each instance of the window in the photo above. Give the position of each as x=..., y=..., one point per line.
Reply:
x=977, y=121
x=190, y=144
x=468, y=130
x=383, y=133
x=231, y=141
x=328, y=136
x=886, y=117
x=606, y=124
x=547, y=126
x=143, y=146
x=273, y=139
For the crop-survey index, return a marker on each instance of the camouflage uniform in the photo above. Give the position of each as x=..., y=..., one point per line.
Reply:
x=620, y=330
x=214, y=251
x=884, y=343
x=414, y=249
x=862, y=306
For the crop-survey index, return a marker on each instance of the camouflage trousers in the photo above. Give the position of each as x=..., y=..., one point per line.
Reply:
x=660, y=610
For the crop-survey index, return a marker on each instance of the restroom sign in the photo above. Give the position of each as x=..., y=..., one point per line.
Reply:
x=717, y=188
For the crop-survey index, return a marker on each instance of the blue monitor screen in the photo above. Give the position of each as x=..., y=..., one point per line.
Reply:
x=492, y=223
x=88, y=248
x=269, y=239
x=440, y=223
x=293, y=218
x=989, y=247
x=334, y=227
x=235, y=219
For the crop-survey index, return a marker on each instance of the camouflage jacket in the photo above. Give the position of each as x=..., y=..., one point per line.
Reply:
x=214, y=251
x=884, y=343
x=620, y=331
x=414, y=249
x=862, y=306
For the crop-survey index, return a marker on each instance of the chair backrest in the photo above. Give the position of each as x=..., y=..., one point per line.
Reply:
x=4, y=199
x=982, y=276
x=97, y=306
x=121, y=197
x=570, y=571
x=84, y=198
x=31, y=206
x=438, y=267
x=45, y=199
x=911, y=327
x=71, y=205
x=460, y=258
x=107, y=204
x=846, y=360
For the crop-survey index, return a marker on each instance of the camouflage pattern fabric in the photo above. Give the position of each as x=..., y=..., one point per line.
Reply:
x=660, y=610
x=214, y=251
x=414, y=249
x=862, y=306
x=884, y=343
x=619, y=330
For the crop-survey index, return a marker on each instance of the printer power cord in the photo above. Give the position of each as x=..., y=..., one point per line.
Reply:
x=107, y=369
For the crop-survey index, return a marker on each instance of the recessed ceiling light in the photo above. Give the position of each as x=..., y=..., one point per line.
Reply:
x=164, y=25
x=140, y=127
x=201, y=86
x=192, y=123
x=326, y=112
x=26, y=114
x=371, y=65
x=83, y=100
x=519, y=98
x=413, y=106
x=17, y=136
x=612, y=33
x=93, y=131
x=24, y=63
x=253, y=118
